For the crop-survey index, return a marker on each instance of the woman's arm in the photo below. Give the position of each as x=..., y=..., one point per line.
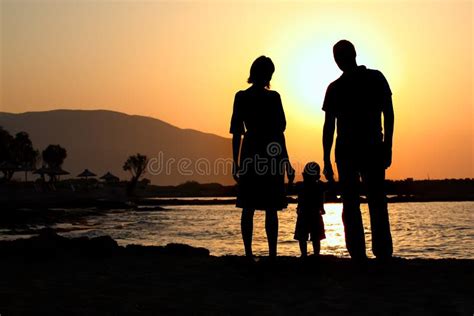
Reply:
x=236, y=129
x=290, y=171
x=236, y=140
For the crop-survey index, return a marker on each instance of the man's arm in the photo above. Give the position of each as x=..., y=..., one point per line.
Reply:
x=388, y=123
x=328, y=138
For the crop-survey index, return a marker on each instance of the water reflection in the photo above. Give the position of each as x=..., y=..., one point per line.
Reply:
x=334, y=242
x=419, y=230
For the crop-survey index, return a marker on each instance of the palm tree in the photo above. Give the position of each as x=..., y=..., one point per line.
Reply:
x=53, y=157
x=25, y=156
x=6, y=141
x=16, y=154
x=136, y=164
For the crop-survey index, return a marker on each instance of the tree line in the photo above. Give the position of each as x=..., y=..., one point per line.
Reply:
x=17, y=154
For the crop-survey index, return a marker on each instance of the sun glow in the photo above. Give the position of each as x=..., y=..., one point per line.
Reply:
x=334, y=229
x=306, y=66
x=309, y=71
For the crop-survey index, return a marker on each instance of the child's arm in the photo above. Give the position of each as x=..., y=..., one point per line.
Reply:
x=299, y=199
x=322, y=211
x=323, y=195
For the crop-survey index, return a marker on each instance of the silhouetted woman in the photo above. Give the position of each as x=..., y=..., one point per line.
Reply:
x=258, y=115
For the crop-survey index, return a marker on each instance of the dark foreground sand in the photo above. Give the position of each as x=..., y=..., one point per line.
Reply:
x=53, y=275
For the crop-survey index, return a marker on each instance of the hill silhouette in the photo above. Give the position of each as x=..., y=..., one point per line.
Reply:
x=102, y=140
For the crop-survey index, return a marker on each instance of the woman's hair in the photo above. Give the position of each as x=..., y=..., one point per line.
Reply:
x=261, y=71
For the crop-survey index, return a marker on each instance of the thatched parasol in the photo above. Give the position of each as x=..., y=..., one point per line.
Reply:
x=58, y=171
x=86, y=174
x=108, y=177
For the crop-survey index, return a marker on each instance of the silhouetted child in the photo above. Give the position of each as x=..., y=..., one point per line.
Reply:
x=309, y=223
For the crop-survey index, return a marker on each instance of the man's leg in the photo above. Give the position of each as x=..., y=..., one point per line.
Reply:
x=303, y=248
x=351, y=216
x=374, y=177
x=316, y=247
x=246, y=226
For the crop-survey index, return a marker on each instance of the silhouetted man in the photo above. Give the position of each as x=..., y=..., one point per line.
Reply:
x=356, y=102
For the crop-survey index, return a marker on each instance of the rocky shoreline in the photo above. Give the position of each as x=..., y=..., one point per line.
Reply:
x=55, y=275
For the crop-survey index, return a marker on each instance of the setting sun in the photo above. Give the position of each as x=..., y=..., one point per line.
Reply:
x=307, y=65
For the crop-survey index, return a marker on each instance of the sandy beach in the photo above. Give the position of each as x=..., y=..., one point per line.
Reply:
x=50, y=274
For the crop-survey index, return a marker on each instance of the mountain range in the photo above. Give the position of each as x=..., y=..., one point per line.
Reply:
x=102, y=140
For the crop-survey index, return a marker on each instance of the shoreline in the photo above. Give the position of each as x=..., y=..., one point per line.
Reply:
x=74, y=193
x=22, y=217
x=56, y=275
x=134, y=203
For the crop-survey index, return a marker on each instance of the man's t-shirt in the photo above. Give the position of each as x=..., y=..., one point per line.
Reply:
x=357, y=99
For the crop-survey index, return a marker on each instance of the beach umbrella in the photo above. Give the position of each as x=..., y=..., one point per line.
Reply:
x=86, y=174
x=58, y=171
x=108, y=177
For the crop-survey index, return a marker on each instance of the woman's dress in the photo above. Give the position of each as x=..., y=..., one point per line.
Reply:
x=258, y=115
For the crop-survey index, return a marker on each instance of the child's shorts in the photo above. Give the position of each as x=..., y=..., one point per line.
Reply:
x=309, y=228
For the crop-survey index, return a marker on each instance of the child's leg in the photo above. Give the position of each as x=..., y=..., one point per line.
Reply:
x=303, y=248
x=316, y=247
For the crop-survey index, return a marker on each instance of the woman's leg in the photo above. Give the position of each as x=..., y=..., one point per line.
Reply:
x=271, y=227
x=246, y=226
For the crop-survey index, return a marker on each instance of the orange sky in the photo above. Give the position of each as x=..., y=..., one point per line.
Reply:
x=183, y=61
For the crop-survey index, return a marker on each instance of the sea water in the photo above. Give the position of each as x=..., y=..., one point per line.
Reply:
x=419, y=230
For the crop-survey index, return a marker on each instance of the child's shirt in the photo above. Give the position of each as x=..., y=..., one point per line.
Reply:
x=311, y=198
